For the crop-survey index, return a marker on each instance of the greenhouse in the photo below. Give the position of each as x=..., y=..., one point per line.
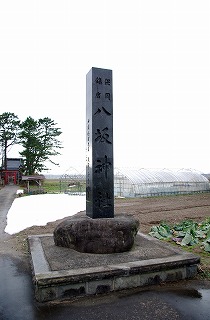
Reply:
x=73, y=183
x=157, y=182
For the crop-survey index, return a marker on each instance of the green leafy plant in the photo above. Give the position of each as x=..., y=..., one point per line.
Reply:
x=186, y=233
x=162, y=231
x=206, y=245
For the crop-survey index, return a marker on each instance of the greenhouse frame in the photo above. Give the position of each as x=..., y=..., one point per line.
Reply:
x=157, y=182
x=73, y=184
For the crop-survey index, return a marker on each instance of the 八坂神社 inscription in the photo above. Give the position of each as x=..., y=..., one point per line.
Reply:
x=99, y=149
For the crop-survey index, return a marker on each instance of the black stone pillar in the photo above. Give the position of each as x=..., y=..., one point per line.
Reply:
x=99, y=147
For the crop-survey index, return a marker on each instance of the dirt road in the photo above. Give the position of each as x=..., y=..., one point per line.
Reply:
x=7, y=196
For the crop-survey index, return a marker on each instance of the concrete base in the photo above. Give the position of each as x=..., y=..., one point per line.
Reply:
x=62, y=273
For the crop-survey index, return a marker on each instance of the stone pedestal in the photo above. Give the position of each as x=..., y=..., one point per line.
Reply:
x=97, y=235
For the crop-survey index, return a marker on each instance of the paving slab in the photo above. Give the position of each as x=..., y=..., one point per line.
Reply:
x=62, y=273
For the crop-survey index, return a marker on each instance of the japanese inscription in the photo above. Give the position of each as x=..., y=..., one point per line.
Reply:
x=102, y=135
x=103, y=166
x=99, y=144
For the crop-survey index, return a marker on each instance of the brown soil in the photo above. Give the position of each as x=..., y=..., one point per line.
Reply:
x=171, y=209
x=149, y=212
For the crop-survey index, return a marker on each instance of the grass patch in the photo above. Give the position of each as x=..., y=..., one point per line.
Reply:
x=59, y=186
x=52, y=186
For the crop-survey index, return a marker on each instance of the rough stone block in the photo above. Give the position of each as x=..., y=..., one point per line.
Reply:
x=46, y=294
x=191, y=271
x=102, y=286
x=97, y=235
x=72, y=290
x=127, y=282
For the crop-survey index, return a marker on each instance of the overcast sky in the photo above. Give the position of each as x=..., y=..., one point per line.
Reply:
x=159, y=52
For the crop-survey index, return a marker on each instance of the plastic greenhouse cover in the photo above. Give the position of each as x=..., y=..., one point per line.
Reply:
x=137, y=176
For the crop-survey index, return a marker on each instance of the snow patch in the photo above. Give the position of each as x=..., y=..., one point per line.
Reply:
x=40, y=209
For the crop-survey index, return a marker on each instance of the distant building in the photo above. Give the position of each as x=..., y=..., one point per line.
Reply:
x=36, y=179
x=12, y=174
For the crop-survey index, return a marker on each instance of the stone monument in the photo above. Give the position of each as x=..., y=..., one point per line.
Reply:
x=99, y=145
x=99, y=231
